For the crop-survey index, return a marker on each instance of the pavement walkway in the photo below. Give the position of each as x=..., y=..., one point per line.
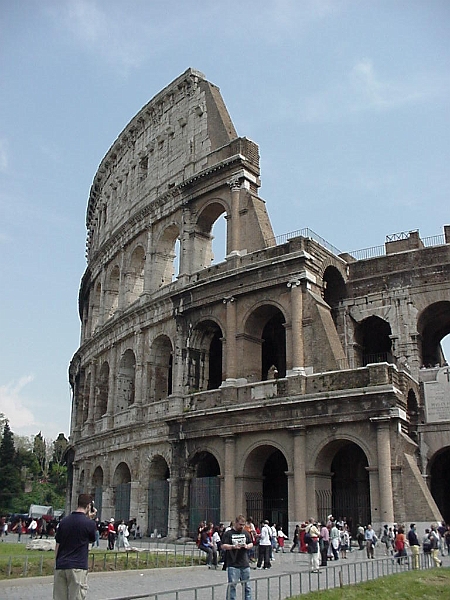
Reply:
x=126, y=584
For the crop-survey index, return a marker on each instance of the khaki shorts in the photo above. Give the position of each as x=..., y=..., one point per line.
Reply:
x=70, y=584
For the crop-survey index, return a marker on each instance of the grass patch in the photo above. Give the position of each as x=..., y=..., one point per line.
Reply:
x=18, y=562
x=432, y=584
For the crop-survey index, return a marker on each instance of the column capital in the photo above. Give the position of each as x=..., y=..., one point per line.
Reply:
x=228, y=299
x=235, y=183
x=383, y=420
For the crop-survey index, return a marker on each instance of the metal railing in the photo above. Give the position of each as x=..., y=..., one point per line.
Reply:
x=364, y=253
x=285, y=585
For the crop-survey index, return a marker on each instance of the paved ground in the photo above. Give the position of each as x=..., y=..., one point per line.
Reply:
x=114, y=585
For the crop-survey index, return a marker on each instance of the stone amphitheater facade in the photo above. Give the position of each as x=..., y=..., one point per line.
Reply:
x=287, y=381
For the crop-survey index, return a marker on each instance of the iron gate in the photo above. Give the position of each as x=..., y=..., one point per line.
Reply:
x=204, y=502
x=122, y=501
x=158, y=507
x=355, y=507
x=273, y=509
x=98, y=496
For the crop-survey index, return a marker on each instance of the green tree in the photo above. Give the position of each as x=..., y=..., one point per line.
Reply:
x=40, y=451
x=59, y=450
x=10, y=481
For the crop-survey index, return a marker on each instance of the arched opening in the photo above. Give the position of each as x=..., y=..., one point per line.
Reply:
x=158, y=497
x=126, y=381
x=135, y=276
x=350, y=486
x=264, y=343
x=97, y=490
x=203, y=357
x=204, y=493
x=86, y=399
x=343, y=488
x=165, y=257
x=112, y=293
x=161, y=368
x=102, y=391
x=78, y=394
x=413, y=415
x=433, y=326
x=439, y=478
x=203, y=255
x=375, y=344
x=81, y=484
x=219, y=239
x=266, y=486
x=122, y=492
x=95, y=312
x=274, y=346
x=335, y=290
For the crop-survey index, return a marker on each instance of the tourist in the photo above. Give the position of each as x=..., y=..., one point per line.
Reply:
x=237, y=542
x=73, y=536
x=413, y=542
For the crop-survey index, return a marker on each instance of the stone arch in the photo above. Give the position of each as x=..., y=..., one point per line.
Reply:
x=265, y=484
x=374, y=343
x=204, y=490
x=413, y=414
x=264, y=343
x=342, y=483
x=112, y=292
x=160, y=368
x=158, y=496
x=126, y=383
x=202, y=249
x=79, y=391
x=122, y=492
x=165, y=256
x=95, y=309
x=134, y=281
x=433, y=325
x=81, y=483
x=334, y=289
x=97, y=489
x=101, y=405
x=439, y=473
x=204, y=356
x=86, y=399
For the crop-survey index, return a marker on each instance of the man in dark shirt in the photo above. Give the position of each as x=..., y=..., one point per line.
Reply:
x=414, y=545
x=73, y=536
x=237, y=542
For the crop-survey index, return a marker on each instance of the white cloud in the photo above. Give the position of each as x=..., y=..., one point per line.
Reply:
x=3, y=155
x=114, y=33
x=361, y=89
x=370, y=91
x=13, y=405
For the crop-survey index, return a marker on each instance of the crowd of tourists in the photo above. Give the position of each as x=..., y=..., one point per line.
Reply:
x=25, y=526
x=328, y=540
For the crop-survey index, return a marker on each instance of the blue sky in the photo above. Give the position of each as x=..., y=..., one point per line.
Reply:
x=348, y=101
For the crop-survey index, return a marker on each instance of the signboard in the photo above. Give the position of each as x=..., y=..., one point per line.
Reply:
x=437, y=397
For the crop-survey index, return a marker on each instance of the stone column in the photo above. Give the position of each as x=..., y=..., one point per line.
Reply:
x=121, y=303
x=231, y=359
x=229, y=509
x=235, y=233
x=148, y=262
x=139, y=374
x=177, y=358
x=91, y=407
x=111, y=386
x=101, y=309
x=297, y=351
x=300, y=498
x=386, y=512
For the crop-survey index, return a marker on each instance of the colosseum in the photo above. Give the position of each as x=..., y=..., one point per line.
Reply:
x=285, y=381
